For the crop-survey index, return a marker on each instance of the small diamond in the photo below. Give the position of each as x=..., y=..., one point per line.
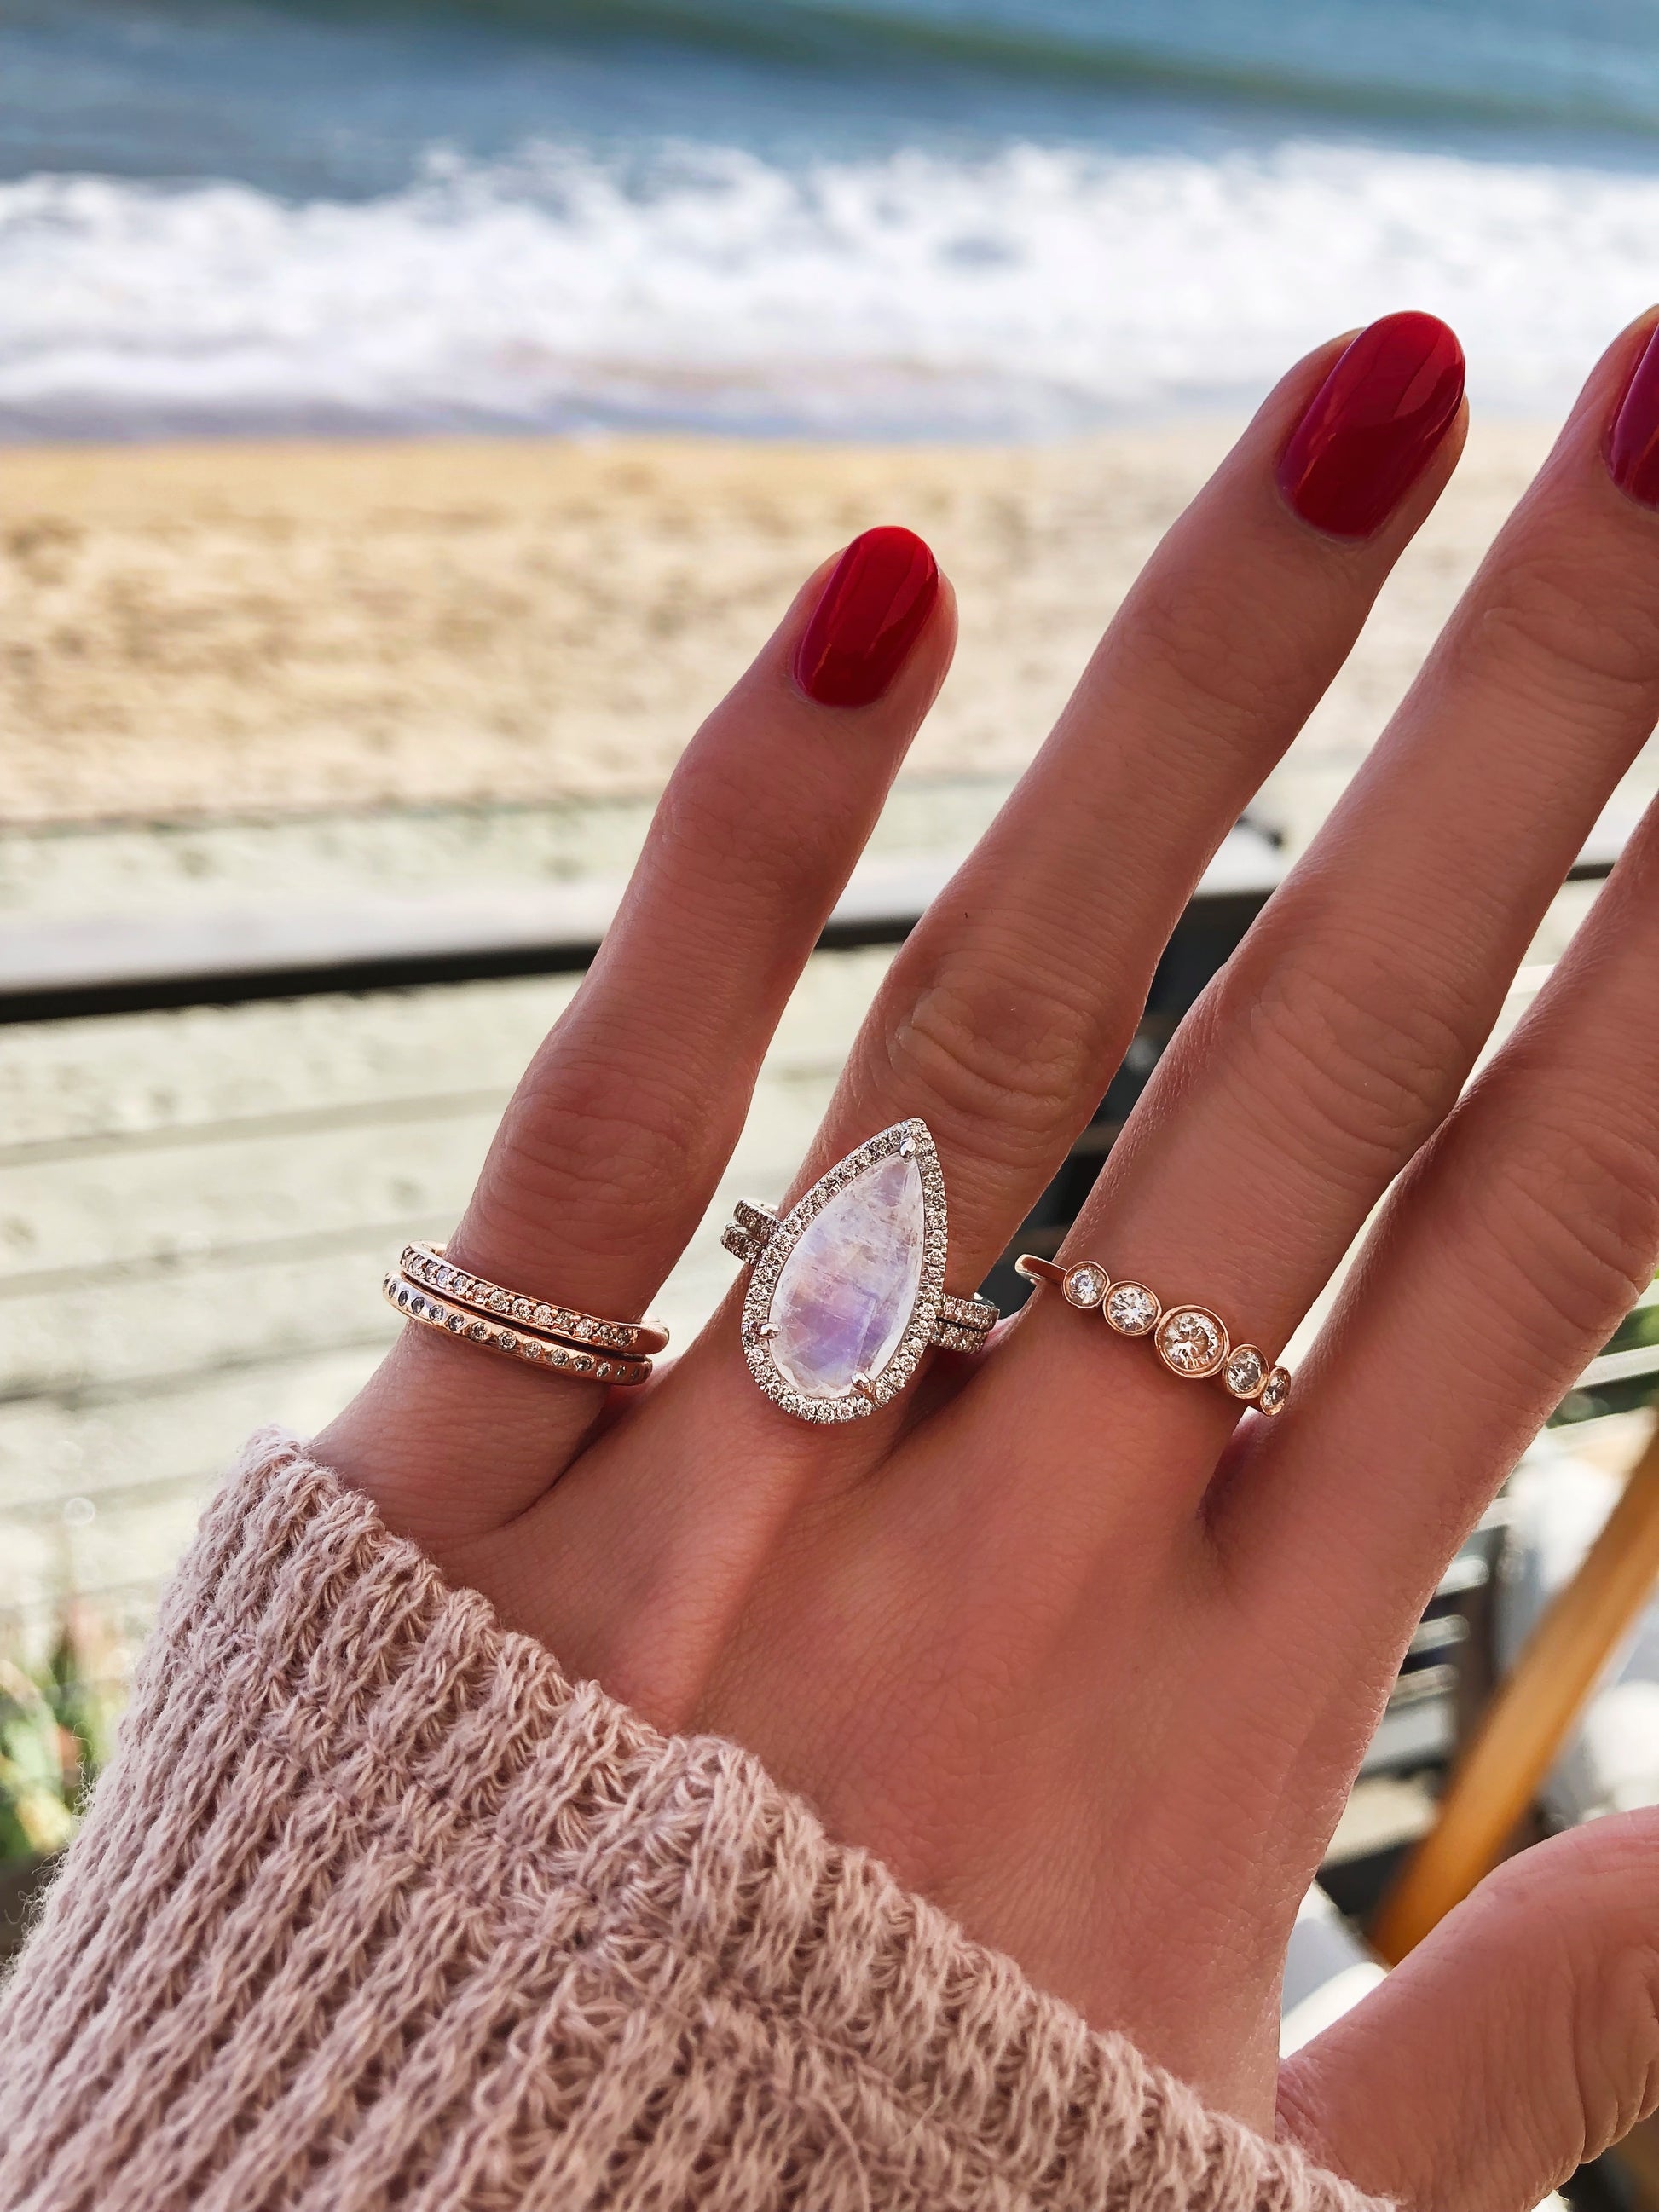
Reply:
x=522, y=1309
x=603, y=1370
x=499, y=1302
x=446, y=1279
x=506, y=1340
x=457, y=1322
x=543, y=1316
x=1085, y=1286
x=558, y=1356
x=1275, y=1390
x=1245, y=1371
x=479, y=1333
x=1131, y=1310
x=584, y=1329
x=1191, y=1341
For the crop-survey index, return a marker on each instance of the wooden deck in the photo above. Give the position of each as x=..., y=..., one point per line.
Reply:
x=195, y=1208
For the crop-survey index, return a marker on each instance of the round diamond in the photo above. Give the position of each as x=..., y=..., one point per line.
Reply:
x=543, y=1316
x=457, y=1322
x=1085, y=1286
x=507, y=1341
x=1131, y=1309
x=499, y=1302
x=1246, y=1371
x=522, y=1309
x=1275, y=1390
x=1191, y=1341
x=479, y=1332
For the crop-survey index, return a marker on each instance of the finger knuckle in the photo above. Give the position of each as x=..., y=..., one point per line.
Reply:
x=1571, y=1213
x=604, y=1150
x=1557, y=618
x=1189, y=650
x=1350, y=1058
x=1012, y=1056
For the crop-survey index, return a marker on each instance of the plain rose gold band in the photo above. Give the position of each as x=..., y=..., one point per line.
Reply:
x=1191, y=1341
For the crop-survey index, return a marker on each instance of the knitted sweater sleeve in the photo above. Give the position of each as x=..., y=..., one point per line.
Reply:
x=373, y=1908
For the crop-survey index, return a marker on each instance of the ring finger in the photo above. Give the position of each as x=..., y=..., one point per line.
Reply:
x=1340, y=1033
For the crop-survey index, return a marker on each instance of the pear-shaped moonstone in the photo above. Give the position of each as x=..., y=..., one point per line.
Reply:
x=845, y=1293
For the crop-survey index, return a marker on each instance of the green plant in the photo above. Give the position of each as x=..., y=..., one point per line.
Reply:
x=54, y=1721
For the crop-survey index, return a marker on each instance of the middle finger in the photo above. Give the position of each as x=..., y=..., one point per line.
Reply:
x=1004, y=1016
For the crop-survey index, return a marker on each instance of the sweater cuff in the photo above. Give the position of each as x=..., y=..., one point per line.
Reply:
x=373, y=1907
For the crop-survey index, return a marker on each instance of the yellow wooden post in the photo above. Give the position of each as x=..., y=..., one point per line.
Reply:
x=1530, y=1717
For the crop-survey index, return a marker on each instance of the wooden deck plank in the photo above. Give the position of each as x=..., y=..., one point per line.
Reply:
x=195, y=1211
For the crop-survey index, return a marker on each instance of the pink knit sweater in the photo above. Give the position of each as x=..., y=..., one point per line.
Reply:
x=373, y=1908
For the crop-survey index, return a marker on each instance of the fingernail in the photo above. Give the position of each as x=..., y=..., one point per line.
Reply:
x=873, y=609
x=1370, y=430
x=1633, y=440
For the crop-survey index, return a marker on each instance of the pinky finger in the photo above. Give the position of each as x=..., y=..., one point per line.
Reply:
x=1503, y=1261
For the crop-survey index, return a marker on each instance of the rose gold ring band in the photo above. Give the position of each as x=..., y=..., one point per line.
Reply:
x=427, y=1288
x=519, y=1342
x=1191, y=1341
x=425, y=1264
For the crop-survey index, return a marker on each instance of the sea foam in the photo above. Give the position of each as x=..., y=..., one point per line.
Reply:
x=1035, y=289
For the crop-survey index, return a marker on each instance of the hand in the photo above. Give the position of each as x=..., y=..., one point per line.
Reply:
x=1075, y=1651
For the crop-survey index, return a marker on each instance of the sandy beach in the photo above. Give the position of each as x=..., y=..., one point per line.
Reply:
x=222, y=628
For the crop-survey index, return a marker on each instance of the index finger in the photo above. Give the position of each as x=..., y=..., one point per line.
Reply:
x=614, y=1143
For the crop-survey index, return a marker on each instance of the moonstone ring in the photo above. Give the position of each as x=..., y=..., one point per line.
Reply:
x=1190, y=1340
x=847, y=1291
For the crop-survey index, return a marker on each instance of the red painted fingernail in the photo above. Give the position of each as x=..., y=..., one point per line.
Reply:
x=1370, y=427
x=873, y=609
x=1633, y=440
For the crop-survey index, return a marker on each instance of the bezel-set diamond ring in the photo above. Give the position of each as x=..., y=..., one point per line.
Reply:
x=846, y=1289
x=1191, y=1341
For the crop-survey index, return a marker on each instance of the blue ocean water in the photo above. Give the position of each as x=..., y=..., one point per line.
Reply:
x=906, y=218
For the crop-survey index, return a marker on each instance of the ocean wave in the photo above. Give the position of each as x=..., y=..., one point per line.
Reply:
x=1033, y=290
x=1585, y=64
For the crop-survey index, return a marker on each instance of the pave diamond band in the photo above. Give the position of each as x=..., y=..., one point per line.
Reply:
x=1191, y=1341
x=518, y=1342
x=426, y=1287
x=425, y=1266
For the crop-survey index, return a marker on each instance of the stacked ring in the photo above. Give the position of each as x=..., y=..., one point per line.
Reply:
x=426, y=1264
x=1191, y=1341
x=426, y=1288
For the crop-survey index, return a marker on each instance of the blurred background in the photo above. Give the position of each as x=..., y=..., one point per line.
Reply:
x=412, y=418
